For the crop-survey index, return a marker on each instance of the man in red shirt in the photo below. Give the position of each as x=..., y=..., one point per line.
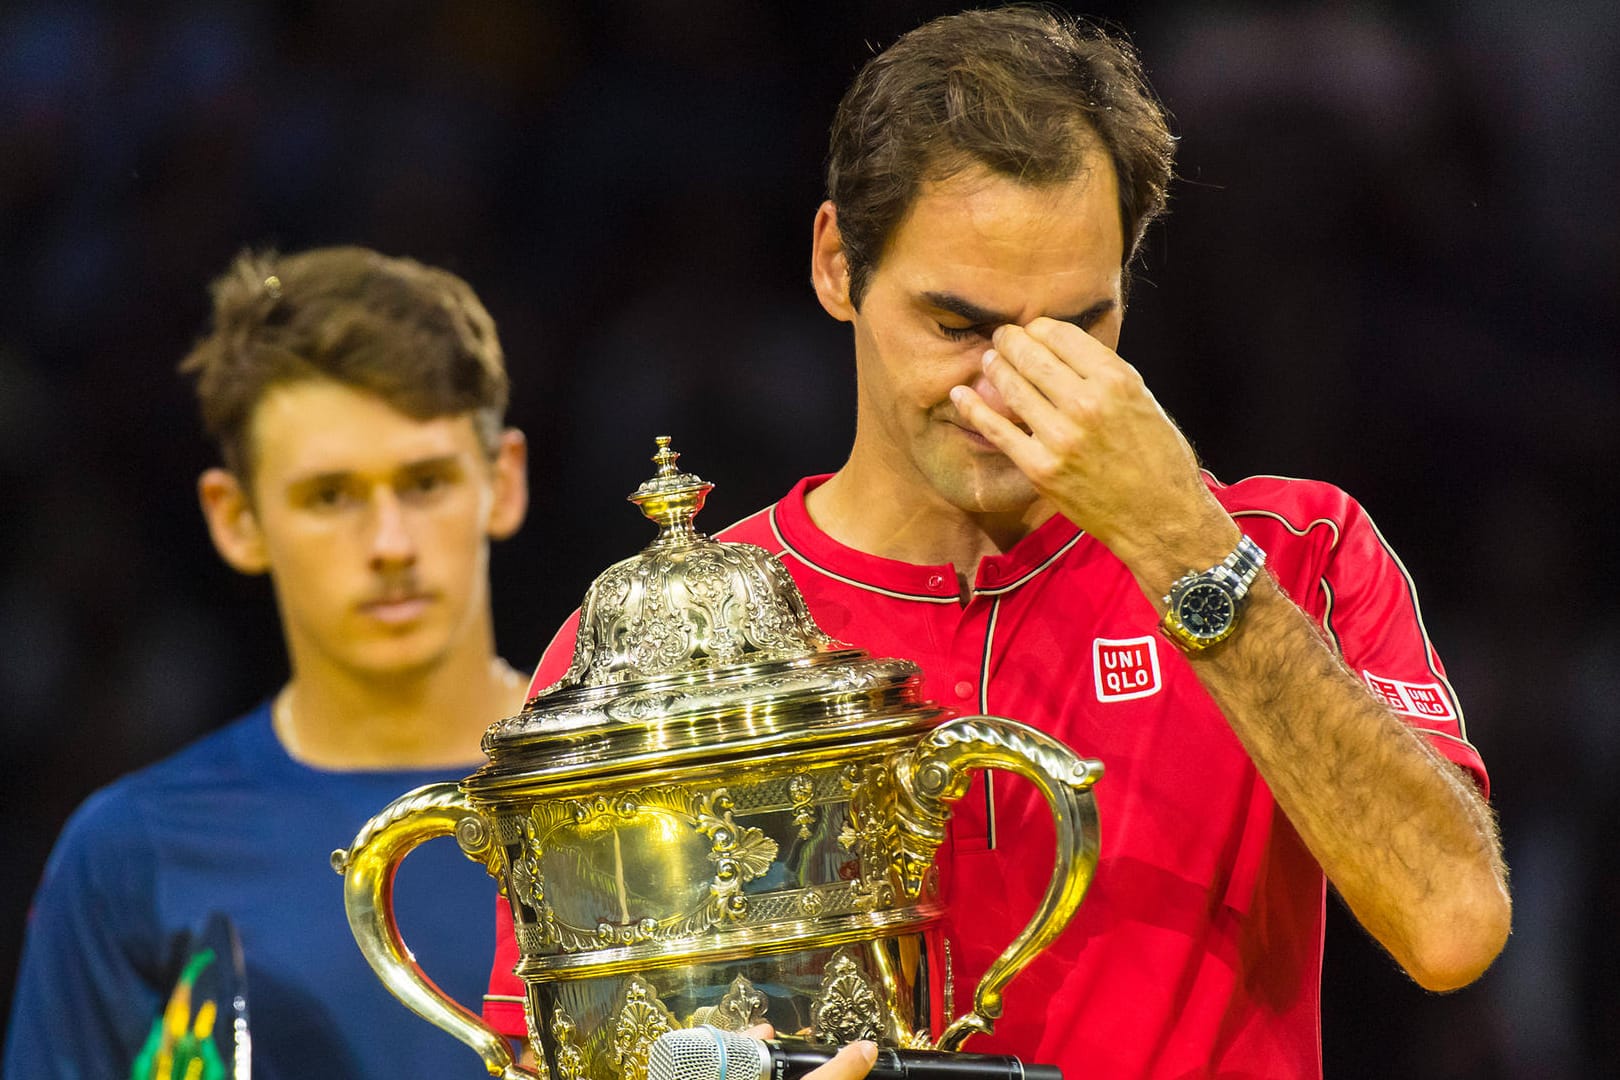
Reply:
x=1020, y=517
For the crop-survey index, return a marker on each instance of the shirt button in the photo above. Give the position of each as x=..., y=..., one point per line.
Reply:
x=936, y=581
x=964, y=689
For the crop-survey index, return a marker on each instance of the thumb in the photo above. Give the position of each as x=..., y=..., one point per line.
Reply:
x=854, y=1060
x=865, y=1050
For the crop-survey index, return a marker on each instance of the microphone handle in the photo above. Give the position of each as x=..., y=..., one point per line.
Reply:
x=791, y=1060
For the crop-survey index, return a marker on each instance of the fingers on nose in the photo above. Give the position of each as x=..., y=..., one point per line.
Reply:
x=987, y=390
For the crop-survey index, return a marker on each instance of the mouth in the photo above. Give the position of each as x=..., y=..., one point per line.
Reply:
x=973, y=437
x=397, y=609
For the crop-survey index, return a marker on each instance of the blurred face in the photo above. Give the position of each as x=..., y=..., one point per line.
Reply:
x=974, y=251
x=374, y=527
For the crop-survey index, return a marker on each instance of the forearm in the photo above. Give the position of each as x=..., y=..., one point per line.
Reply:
x=1402, y=835
x=1407, y=842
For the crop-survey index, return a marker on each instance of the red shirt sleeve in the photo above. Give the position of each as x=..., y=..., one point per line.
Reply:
x=558, y=655
x=503, y=1002
x=1366, y=601
x=1372, y=612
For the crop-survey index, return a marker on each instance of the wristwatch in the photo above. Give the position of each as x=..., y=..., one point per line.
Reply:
x=1203, y=609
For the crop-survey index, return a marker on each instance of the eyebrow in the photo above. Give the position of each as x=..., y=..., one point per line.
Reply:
x=979, y=316
x=442, y=461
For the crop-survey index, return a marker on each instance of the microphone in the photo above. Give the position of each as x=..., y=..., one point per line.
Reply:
x=707, y=1053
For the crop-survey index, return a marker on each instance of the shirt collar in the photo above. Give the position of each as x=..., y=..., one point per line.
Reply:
x=936, y=583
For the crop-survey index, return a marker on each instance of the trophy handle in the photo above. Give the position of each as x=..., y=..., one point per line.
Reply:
x=368, y=868
x=936, y=773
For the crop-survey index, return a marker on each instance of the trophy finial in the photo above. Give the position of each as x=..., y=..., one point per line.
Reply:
x=665, y=458
x=672, y=498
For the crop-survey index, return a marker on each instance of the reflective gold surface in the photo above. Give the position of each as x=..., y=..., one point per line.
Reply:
x=719, y=815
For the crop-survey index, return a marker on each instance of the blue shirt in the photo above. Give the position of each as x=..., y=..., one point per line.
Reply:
x=233, y=824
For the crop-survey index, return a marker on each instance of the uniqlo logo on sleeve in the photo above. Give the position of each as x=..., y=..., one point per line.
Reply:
x=1125, y=668
x=1426, y=701
x=1387, y=690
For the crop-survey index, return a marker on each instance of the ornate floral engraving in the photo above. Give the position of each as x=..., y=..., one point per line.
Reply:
x=664, y=639
x=613, y=589
x=870, y=832
x=741, y=1008
x=642, y=1018
x=802, y=790
x=536, y=1047
x=708, y=582
x=739, y=853
x=528, y=885
x=754, y=852
x=690, y=604
x=847, y=1007
x=570, y=1058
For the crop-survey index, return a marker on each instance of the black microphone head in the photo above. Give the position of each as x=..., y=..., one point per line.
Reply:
x=707, y=1053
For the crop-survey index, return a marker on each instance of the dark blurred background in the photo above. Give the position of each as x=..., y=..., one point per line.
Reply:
x=1393, y=262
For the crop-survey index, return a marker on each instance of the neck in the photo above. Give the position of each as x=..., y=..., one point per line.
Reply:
x=343, y=721
x=873, y=507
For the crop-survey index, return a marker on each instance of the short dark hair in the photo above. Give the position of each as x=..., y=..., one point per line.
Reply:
x=414, y=335
x=1025, y=91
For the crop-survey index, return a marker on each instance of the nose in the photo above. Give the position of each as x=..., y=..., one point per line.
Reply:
x=391, y=542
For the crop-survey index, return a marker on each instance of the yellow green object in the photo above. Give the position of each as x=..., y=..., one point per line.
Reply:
x=181, y=1045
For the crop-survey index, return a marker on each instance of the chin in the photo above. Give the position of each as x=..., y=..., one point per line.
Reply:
x=983, y=487
x=400, y=659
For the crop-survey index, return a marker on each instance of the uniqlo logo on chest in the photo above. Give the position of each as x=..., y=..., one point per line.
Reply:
x=1426, y=701
x=1125, y=668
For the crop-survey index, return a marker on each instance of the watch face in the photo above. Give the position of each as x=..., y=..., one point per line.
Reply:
x=1206, y=610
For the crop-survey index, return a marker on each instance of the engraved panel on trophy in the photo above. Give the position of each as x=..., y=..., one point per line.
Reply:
x=627, y=867
x=741, y=1007
x=848, y=1007
x=641, y=1019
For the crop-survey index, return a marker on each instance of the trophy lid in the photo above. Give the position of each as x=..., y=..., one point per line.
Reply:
x=697, y=649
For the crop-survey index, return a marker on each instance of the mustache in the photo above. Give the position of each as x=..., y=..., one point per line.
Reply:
x=393, y=587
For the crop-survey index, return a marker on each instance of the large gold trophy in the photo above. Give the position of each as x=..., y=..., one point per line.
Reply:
x=719, y=815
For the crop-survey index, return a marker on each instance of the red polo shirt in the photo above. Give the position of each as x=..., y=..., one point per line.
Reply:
x=1198, y=950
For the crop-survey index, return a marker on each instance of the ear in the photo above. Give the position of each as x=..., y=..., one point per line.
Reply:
x=232, y=524
x=511, y=484
x=829, y=269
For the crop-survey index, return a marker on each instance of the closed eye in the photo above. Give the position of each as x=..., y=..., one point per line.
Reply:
x=964, y=333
